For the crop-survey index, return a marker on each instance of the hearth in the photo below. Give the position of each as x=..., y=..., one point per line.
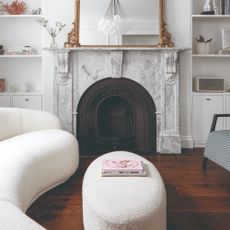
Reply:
x=116, y=114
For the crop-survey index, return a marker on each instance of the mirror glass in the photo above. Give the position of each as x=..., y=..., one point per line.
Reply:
x=144, y=16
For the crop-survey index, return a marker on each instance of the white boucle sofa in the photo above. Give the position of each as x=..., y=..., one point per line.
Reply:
x=35, y=156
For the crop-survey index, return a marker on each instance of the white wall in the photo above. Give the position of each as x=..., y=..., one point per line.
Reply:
x=62, y=11
x=178, y=17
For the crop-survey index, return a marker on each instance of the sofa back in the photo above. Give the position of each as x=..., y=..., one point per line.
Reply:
x=15, y=121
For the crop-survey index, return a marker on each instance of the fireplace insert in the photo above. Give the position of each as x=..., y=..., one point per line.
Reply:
x=116, y=114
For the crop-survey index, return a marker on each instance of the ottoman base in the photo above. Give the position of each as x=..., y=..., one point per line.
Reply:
x=123, y=203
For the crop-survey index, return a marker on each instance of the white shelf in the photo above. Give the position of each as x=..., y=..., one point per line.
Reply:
x=23, y=16
x=211, y=55
x=210, y=93
x=19, y=93
x=20, y=56
x=200, y=16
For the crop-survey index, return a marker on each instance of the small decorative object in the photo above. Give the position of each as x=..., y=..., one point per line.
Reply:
x=13, y=88
x=15, y=7
x=1, y=50
x=202, y=45
x=28, y=86
x=208, y=8
x=1, y=7
x=27, y=50
x=216, y=6
x=24, y=50
x=36, y=11
x=53, y=31
x=114, y=22
x=224, y=52
x=2, y=85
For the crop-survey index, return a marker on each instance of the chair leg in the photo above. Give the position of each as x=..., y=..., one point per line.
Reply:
x=204, y=164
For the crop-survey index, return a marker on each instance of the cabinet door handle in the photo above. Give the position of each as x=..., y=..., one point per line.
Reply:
x=26, y=99
x=208, y=99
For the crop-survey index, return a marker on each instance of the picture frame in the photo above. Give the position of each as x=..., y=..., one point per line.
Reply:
x=225, y=38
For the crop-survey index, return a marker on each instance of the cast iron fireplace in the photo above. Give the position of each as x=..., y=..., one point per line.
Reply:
x=116, y=114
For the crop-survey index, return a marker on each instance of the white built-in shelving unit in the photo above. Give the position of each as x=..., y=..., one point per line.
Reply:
x=209, y=65
x=18, y=31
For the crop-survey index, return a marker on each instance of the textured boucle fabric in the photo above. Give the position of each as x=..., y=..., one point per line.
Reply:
x=12, y=218
x=33, y=162
x=15, y=121
x=35, y=156
x=123, y=203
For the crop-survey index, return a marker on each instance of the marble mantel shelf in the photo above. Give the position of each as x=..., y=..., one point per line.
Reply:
x=135, y=48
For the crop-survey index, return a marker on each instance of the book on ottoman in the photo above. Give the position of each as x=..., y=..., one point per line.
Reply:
x=122, y=167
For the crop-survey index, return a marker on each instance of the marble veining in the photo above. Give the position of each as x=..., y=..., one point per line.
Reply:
x=155, y=69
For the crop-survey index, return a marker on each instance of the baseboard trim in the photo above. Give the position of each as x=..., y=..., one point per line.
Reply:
x=187, y=142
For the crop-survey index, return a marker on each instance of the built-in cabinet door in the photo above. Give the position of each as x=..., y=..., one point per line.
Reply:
x=204, y=107
x=5, y=101
x=227, y=110
x=29, y=102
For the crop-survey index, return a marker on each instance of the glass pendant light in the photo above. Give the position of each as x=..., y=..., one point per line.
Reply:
x=114, y=22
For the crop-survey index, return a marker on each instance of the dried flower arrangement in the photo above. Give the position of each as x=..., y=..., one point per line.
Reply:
x=15, y=7
x=53, y=31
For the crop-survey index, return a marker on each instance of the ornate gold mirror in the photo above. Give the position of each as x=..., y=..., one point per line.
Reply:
x=77, y=31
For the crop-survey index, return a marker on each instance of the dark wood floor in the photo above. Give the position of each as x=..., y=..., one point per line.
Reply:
x=196, y=200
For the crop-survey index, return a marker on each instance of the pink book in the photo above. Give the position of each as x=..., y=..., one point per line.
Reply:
x=122, y=165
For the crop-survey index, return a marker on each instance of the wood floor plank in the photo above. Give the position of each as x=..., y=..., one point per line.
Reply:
x=196, y=199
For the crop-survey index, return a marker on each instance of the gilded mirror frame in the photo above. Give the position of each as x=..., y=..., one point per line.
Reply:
x=74, y=34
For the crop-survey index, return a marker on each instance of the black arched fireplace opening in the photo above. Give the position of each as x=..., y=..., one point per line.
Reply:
x=116, y=114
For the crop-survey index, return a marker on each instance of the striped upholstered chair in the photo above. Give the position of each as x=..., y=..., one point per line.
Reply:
x=218, y=145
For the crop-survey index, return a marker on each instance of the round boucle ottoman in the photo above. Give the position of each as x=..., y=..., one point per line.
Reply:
x=124, y=203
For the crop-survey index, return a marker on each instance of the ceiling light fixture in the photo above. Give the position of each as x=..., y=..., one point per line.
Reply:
x=114, y=22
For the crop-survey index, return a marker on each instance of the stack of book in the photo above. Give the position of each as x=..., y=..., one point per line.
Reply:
x=221, y=7
x=24, y=50
x=123, y=168
x=225, y=7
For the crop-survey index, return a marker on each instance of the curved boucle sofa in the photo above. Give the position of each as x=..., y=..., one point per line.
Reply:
x=35, y=156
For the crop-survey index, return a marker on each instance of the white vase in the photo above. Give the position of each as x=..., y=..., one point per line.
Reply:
x=207, y=6
x=203, y=48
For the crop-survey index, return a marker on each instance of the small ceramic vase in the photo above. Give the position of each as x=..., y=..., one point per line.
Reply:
x=27, y=86
x=203, y=48
x=207, y=6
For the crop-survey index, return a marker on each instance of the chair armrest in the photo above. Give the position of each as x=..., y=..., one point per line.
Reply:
x=215, y=116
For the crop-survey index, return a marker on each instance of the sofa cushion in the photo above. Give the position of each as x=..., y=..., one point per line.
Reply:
x=15, y=121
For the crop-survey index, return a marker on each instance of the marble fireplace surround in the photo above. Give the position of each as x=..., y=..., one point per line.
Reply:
x=156, y=69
